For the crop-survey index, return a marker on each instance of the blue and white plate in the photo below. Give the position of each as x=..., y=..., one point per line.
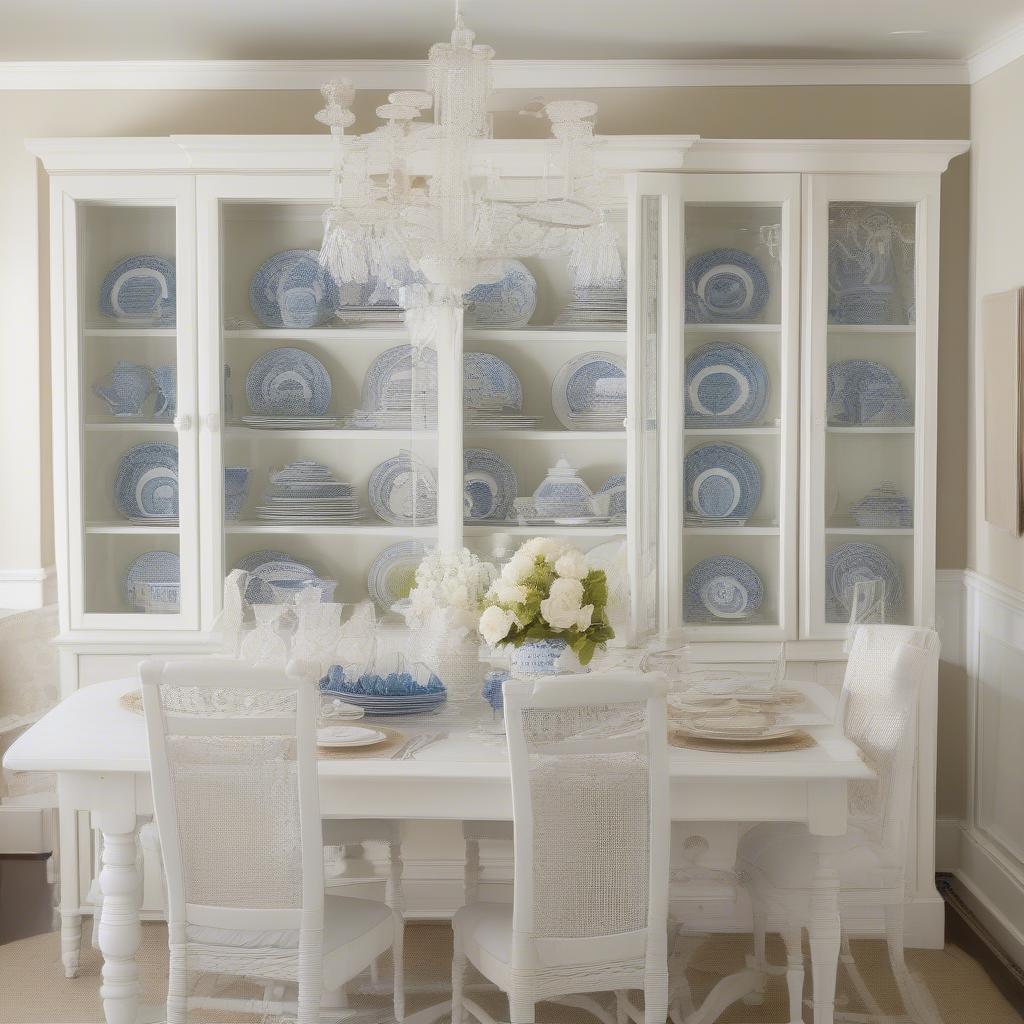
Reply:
x=723, y=587
x=489, y=485
x=615, y=488
x=288, y=382
x=292, y=290
x=722, y=482
x=854, y=563
x=403, y=492
x=154, y=569
x=726, y=386
x=266, y=568
x=393, y=573
x=883, y=507
x=723, y=285
x=590, y=390
x=507, y=302
x=400, y=378
x=146, y=486
x=140, y=288
x=489, y=384
x=862, y=392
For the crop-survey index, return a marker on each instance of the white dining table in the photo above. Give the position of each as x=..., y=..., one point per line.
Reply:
x=99, y=752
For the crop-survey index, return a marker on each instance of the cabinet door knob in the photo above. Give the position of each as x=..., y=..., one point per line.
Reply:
x=183, y=422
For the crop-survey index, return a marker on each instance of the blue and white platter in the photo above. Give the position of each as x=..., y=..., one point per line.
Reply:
x=156, y=569
x=489, y=384
x=854, y=563
x=589, y=392
x=862, y=392
x=722, y=482
x=489, y=485
x=288, y=382
x=266, y=568
x=399, y=379
x=507, y=302
x=393, y=573
x=292, y=290
x=723, y=587
x=615, y=489
x=140, y=288
x=723, y=285
x=884, y=507
x=403, y=492
x=146, y=486
x=726, y=386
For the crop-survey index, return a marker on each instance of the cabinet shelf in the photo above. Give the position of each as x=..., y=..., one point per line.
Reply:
x=130, y=332
x=549, y=435
x=869, y=430
x=907, y=330
x=731, y=531
x=517, y=530
x=236, y=526
x=869, y=531
x=720, y=431
x=119, y=526
x=397, y=334
x=128, y=425
x=732, y=328
x=335, y=434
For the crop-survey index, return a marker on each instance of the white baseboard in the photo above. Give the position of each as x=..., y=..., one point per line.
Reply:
x=25, y=589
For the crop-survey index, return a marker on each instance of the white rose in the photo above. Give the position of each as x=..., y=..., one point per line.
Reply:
x=509, y=593
x=572, y=565
x=518, y=567
x=585, y=617
x=562, y=607
x=495, y=624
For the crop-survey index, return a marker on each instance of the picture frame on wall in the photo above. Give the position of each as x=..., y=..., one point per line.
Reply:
x=1003, y=356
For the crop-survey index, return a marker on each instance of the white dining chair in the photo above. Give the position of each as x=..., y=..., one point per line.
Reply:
x=878, y=711
x=589, y=766
x=233, y=756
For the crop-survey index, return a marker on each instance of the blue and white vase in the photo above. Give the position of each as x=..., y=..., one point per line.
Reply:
x=543, y=658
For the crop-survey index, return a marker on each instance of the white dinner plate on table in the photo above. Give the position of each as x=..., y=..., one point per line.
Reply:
x=348, y=736
x=777, y=732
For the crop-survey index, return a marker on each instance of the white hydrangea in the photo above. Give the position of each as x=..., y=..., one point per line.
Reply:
x=561, y=608
x=508, y=593
x=495, y=624
x=449, y=590
x=572, y=564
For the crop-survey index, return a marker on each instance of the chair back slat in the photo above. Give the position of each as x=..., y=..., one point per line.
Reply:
x=590, y=803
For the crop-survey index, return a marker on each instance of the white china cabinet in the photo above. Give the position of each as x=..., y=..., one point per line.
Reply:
x=831, y=436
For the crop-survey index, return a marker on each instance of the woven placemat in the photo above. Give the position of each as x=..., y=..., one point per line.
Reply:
x=798, y=741
x=393, y=739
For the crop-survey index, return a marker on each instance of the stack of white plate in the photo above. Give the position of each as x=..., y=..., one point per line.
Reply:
x=291, y=422
x=737, y=709
x=399, y=392
x=356, y=316
x=595, y=307
x=307, y=492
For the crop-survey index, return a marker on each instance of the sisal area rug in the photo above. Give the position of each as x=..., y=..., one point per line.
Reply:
x=33, y=989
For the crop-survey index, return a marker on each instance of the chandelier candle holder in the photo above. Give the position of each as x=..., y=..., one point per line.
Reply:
x=427, y=240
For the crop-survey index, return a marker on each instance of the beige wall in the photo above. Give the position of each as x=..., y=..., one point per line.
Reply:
x=780, y=112
x=997, y=161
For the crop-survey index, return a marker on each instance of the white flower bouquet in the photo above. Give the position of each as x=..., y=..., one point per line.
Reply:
x=547, y=591
x=449, y=591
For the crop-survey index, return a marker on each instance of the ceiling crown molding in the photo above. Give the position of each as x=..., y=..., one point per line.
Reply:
x=508, y=74
x=1003, y=51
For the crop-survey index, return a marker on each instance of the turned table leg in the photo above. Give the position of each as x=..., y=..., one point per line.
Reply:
x=70, y=909
x=825, y=938
x=120, y=931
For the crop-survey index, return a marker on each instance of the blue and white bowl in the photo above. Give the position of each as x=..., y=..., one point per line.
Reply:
x=146, y=486
x=158, y=571
x=507, y=302
x=140, y=289
x=857, y=562
x=722, y=482
x=724, y=285
x=236, y=489
x=403, y=492
x=267, y=567
x=288, y=382
x=862, y=392
x=292, y=290
x=489, y=485
x=489, y=384
x=883, y=508
x=563, y=495
x=726, y=386
x=722, y=587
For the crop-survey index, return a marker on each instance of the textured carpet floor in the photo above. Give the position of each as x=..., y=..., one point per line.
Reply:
x=33, y=989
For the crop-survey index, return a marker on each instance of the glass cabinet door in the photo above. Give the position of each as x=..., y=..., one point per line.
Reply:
x=129, y=334
x=870, y=394
x=320, y=453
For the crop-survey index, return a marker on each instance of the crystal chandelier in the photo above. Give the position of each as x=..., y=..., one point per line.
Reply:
x=426, y=240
